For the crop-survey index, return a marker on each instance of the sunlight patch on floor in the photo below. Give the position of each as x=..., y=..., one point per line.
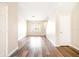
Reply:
x=35, y=42
x=35, y=45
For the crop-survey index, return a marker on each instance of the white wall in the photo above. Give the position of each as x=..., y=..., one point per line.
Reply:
x=22, y=28
x=51, y=30
x=22, y=24
x=75, y=27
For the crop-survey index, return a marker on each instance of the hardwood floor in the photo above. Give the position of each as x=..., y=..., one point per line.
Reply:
x=42, y=47
x=68, y=51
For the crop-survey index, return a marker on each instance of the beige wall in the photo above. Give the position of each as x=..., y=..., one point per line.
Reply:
x=75, y=27
x=12, y=27
x=3, y=11
x=8, y=28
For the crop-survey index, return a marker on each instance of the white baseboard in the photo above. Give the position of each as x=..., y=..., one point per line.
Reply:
x=22, y=41
x=57, y=45
x=68, y=45
x=12, y=52
x=62, y=45
x=74, y=47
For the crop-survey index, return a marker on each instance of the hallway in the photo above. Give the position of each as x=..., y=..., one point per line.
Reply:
x=41, y=47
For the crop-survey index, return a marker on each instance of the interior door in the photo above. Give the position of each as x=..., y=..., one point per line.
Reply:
x=64, y=30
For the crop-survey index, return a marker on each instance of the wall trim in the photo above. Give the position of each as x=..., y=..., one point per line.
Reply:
x=22, y=39
x=57, y=45
x=12, y=52
x=6, y=30
x=68, y=45
x=74, y=47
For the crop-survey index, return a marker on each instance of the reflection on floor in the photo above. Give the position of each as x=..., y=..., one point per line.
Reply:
x=42, y=47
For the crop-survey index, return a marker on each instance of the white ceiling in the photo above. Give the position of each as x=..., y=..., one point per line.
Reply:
x=43, y=10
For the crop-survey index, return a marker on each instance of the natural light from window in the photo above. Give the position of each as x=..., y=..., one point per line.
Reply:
x=35, y=42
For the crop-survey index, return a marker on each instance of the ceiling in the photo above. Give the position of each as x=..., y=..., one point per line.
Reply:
x=43, y=10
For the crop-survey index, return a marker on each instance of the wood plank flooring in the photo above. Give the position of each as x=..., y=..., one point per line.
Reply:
x=45, y=49
x=68, y=51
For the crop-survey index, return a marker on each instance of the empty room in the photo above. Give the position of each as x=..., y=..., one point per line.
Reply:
x=39, y=29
